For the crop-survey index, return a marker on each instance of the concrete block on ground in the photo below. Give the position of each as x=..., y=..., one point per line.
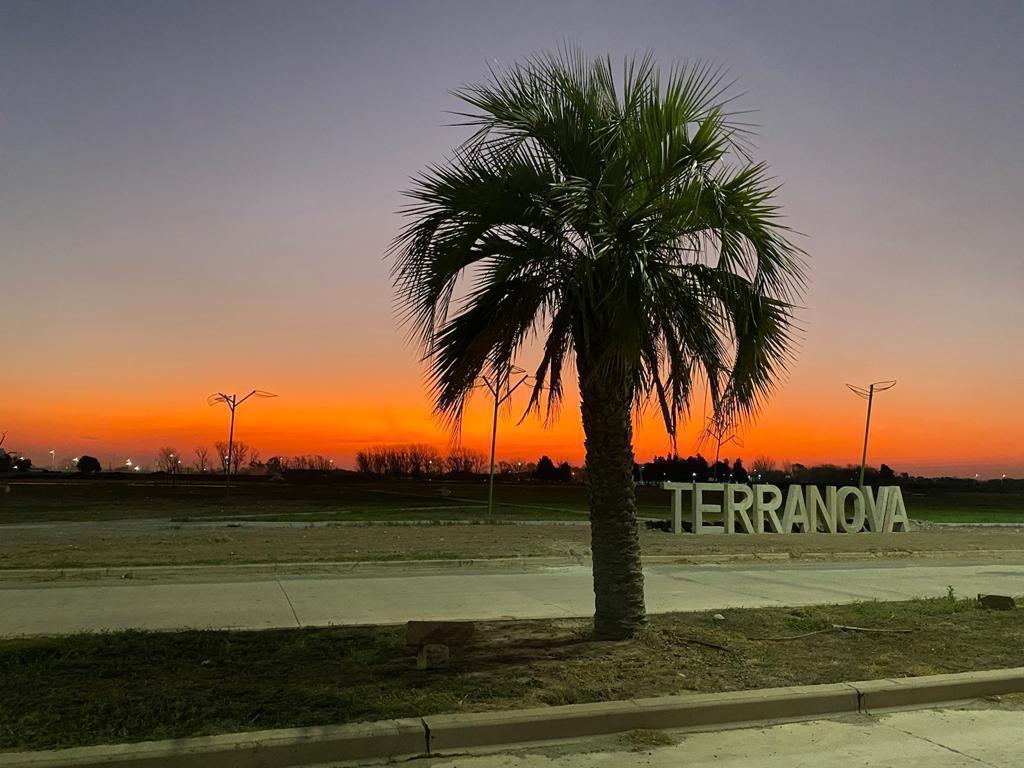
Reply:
x=933, y=689
x=433, y=656
x=451, y=633
x=997, y=602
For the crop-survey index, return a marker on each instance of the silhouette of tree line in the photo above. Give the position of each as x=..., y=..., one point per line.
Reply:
x=420, y=461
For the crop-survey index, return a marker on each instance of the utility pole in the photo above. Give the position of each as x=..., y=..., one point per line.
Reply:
x=869, y=395
x=232, y=402
x=495, y=384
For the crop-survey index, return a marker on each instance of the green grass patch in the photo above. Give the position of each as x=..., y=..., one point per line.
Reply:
x=131, y=686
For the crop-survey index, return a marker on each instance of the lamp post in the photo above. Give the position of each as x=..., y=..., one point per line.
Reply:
x=232, y=402
x=869, y=395
x=501, y=389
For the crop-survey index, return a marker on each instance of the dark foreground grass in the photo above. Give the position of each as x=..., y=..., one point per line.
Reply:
x=130, y=686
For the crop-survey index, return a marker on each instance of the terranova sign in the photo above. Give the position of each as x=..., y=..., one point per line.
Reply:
x=802, y=509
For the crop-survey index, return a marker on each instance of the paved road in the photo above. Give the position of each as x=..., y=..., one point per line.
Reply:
x=263, y=601
x=952, y=738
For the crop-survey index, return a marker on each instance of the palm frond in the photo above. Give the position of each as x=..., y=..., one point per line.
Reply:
x=618, y=217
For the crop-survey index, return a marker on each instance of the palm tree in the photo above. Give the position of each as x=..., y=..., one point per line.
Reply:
x=621, y=221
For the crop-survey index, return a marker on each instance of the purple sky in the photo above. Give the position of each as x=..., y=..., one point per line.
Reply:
x=197, y=196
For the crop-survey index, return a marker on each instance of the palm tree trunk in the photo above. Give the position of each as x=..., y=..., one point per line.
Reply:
x=614, y=542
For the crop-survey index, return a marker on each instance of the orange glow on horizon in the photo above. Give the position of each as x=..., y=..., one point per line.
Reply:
x=908, y=432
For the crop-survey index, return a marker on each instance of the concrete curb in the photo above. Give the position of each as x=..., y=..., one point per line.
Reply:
x=439, y=734
x=258, y=749
x=878, y=695
x=365, y=567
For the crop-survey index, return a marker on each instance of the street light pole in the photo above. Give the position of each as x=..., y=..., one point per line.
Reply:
x=494, y=385
x=867, y=427
x=869, y=395
x=232, y=402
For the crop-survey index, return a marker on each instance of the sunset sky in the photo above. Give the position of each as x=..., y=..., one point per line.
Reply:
x=197, y=196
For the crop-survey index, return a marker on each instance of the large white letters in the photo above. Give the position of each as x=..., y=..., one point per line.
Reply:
x=796, y=510
x=896, y=513
x=734, y=507
x=823, y=509
x=804, y=509
x=763, y=505
x=700, y=506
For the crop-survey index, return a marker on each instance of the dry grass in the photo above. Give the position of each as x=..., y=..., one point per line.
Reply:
x=132, y=686
x=58, y=547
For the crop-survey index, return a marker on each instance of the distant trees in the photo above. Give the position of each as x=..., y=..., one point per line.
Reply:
x=168, y=460
x=763, y=470
x=255, y=466
x=516, y=467
x=308, y=462
x=720, y=470
x=464, y=461
x=417, y=460
x=6, y=459
x=202, y=462
x=548, y=472
x=239, y=453
x=545, y=469
x=89, y=465
x=10, y=461
x=674, y=467
x=414, y=460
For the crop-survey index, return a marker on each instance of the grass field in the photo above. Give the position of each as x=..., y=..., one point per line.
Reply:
x=57, y=549
x=134, y=686
x=99, y=500
x=121, y=500
x=137, y=523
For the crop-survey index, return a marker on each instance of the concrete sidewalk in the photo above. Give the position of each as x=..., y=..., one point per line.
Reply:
x=268, y=601
x=937, y=738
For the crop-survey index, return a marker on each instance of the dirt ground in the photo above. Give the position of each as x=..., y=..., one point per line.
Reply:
x=181, y=544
